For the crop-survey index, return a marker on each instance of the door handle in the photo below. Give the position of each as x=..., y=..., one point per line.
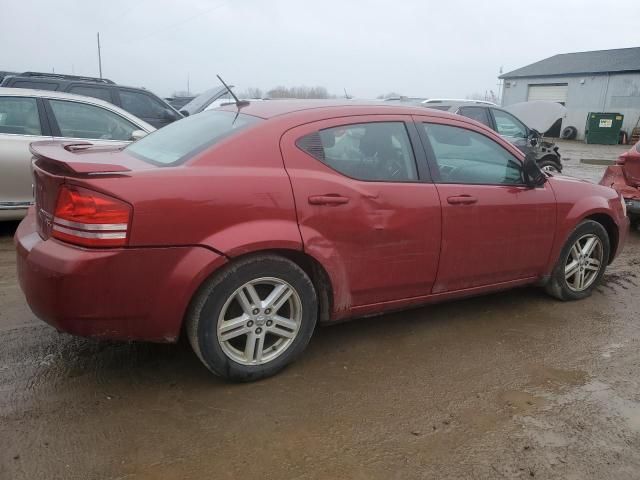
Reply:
x=330, y=199
x=462, y=200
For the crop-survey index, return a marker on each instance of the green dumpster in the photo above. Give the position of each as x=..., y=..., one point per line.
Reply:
x=603, y=128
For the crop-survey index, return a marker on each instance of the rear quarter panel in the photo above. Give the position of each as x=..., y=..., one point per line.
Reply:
x=235, y=198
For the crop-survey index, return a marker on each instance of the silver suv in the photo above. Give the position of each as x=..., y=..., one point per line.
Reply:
x=30, y=115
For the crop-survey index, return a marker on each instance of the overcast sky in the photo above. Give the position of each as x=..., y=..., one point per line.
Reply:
x=442, y=48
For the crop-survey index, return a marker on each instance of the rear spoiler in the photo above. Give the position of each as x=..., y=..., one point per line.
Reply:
x=65, y=158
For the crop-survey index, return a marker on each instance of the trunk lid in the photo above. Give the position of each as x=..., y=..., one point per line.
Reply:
x=53, y=162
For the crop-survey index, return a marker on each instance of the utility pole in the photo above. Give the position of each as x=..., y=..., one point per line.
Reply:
x=99, y=57
x=188, y=89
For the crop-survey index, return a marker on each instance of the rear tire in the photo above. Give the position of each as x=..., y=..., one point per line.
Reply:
x=582, y=262
x=253, y=318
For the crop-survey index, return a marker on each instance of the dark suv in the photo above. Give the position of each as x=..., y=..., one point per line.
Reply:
x=137, y=101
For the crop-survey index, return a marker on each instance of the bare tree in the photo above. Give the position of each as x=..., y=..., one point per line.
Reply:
x=388, y=95
x=488, y=96
x=299, y=92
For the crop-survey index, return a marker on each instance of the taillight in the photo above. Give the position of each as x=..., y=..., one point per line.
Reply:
x=90, y=219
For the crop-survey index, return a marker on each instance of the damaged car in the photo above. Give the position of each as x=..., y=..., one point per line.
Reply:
x=522, y=124
x=624, y=177
x=245, y=226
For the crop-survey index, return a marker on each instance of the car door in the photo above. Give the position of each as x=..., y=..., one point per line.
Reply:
x=494, y=227
x=75, y=120
x=364, y=208
x=21, y=123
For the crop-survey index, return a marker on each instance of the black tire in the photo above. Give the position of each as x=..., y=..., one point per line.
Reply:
x=569, y=133
x=635, y=221
x=558, y=286
x=207, y=305
x=550, y=165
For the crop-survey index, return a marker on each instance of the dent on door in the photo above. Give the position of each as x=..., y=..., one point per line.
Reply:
x=379, y=241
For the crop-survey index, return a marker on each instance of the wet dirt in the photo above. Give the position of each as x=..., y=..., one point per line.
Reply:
x=512, y=385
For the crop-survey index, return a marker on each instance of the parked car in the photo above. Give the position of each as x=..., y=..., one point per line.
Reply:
x=137, y=101
x=212, y=98
x=178, y=102
x=35, y=115
x=509, y=126
x=624, y=177
x=247, y=226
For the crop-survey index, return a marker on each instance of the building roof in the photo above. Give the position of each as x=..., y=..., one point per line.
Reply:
x=599, y=61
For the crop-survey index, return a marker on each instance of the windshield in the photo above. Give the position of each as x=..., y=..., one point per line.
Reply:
x=199, y=103
x=180, y=140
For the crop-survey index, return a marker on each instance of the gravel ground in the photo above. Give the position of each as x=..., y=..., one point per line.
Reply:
x=512, y=385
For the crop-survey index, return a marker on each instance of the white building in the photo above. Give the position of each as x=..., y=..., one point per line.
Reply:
x=599, y=81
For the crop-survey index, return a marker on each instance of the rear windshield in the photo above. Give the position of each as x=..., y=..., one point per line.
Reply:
x=180, y=140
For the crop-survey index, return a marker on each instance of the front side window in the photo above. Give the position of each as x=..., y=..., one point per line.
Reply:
x=19, y=115
x=378, y=151
x=180, y=140
x=476, y=113
x=79, y=120
x=508, y=125
x=141, y=105
x=95, y=92
x=467, y=157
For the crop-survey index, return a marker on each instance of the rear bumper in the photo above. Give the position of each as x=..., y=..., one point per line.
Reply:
x=123, y=294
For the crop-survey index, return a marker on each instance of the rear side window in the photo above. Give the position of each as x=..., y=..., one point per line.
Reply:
x=19, y=115
x=379, y=151
x=95, y=92
x=180, y=140
x=79, y=120
x=479, y=114
x=34, y=85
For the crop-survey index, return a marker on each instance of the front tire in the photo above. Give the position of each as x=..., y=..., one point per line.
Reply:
x=582, y=262
x=253, y=318
x=549, y=166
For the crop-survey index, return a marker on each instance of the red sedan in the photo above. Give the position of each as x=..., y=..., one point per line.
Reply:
x=244, y=227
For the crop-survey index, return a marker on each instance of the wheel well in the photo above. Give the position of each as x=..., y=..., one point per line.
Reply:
x=318, y=275
x=612, y=231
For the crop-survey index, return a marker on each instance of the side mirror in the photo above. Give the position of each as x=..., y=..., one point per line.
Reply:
x=534, y=136
x=184, y=113
x=170, y=115
x=137, y=135
x=533, y=175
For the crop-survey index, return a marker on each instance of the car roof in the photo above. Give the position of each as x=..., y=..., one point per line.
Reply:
x=458, y=100
x=276, y=108
x=28, y=92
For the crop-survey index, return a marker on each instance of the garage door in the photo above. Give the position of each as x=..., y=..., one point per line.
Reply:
x=550, y=93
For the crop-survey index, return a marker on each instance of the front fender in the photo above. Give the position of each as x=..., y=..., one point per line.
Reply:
x=582, y=209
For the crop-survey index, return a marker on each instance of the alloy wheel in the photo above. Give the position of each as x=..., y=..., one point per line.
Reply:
x=584, y=262
x=259, y=321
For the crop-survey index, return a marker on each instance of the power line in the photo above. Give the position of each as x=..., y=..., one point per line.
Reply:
x=179, y=23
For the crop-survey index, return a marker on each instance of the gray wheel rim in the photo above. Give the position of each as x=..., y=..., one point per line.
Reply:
x=259, y=321
x=584, y=262
x=550, y=168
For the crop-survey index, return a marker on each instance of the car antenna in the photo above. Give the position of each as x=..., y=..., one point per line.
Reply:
x=239, y=103
x=346, y=95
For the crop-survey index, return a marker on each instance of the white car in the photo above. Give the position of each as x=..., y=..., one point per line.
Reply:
x=31, y=115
